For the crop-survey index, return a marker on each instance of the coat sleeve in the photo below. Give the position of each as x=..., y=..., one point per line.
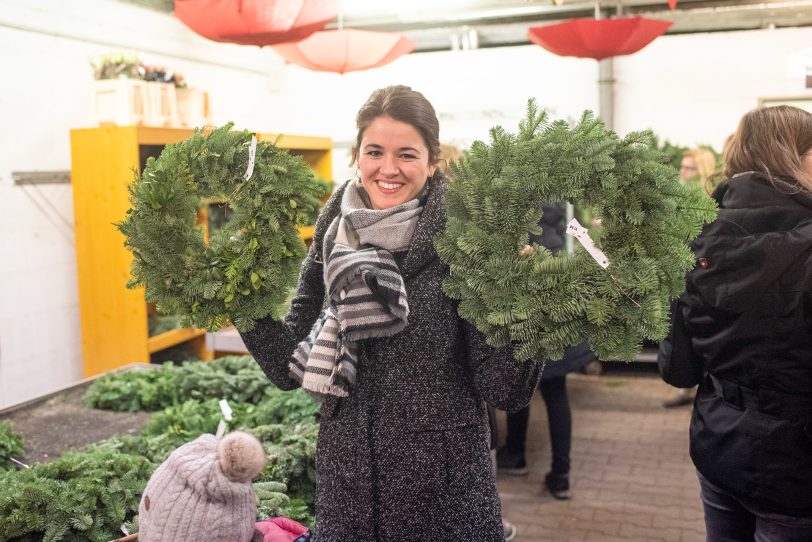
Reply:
x=503, y=381
x=679, y=364
x=272, y=342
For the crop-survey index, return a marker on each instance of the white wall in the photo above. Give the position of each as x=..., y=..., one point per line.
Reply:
x=694, y=88
x=690, y=89
x=46, y=90
x=472, y=91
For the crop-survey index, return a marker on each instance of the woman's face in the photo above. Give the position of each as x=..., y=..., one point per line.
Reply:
x=687, y=168
x=394, y=162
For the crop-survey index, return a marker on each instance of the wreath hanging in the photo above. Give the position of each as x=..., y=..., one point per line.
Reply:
x=246, y=269
x=544, y=303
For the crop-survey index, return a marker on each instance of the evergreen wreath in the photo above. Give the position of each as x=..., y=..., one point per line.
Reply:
x=246, y=269
x=544, y=303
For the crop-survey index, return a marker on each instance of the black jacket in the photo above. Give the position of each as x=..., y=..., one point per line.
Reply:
x=406, y=456
x=743, y=332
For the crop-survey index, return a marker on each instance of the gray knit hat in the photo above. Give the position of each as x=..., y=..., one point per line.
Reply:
x=203, y=492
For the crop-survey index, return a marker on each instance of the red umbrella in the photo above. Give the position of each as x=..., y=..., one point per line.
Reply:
x=346, y=50
x=256, y=22
x=598, y=38
x=672, y=4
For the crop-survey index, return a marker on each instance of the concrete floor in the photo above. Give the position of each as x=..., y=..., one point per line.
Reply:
x=632, y=478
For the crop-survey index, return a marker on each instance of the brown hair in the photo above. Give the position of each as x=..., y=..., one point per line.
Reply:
x=772, y=141
x=704, y=162
x=405, y=105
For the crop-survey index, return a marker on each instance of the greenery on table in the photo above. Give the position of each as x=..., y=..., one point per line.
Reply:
x=86, y=495
x=11, y=445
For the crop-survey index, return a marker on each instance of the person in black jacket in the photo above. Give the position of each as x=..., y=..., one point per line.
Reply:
x=742, y=331
x=403, y=448
x=510, y=459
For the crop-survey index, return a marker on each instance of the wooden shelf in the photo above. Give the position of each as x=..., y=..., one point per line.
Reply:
x=226, y=340
x=173, y=337
x=306, y=232
x=113, y=317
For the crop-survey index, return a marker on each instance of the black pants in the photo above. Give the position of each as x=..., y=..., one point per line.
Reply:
x=559, y=418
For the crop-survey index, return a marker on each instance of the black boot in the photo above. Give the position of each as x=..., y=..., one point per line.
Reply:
x=558, y=485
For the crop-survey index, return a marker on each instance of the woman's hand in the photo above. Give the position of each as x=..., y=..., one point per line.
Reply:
x=526, y=250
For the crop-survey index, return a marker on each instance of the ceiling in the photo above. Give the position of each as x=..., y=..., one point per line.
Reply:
x=447, y=24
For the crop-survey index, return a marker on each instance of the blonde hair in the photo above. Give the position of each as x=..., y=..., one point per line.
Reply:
x=448, y=153
x=704, y=162
x=772, y=141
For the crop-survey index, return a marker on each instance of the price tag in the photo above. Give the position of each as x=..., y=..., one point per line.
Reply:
x=252, y=154
x=221, y=429
x=20, y=463
x=226, y=410
x=575, y=229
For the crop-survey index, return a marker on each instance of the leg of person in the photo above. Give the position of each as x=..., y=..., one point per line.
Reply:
x=511, y=459
x=559, y=419
x=726, y=520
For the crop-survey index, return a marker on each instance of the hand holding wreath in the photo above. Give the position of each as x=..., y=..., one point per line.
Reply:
x=544, y=303
x=245, y=270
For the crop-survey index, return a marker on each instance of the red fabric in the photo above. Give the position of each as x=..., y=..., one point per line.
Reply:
x=598, y=38
x=346, y=50
x=256, y=22
x=672, y=4
x=280, y=529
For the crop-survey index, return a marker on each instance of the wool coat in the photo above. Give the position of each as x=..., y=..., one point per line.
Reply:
x=743, y=331
x=405, y=457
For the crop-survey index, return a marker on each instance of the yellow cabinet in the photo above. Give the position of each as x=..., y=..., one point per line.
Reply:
x=113, y=317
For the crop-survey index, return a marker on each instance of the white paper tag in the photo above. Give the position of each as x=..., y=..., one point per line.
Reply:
x=226, y=410
x=575, y=229
x=252, y=154
x=20, y=463
x=125, y=530
x=221, y=429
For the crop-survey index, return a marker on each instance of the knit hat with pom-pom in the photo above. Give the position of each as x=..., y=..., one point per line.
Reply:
x=203, y=492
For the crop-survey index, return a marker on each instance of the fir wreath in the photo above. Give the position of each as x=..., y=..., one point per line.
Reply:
x=544, y=303
x=246, y=269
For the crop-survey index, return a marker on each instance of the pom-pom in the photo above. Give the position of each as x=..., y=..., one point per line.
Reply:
x=241, y=456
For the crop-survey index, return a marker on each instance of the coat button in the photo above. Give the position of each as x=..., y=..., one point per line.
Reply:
x=703, y=263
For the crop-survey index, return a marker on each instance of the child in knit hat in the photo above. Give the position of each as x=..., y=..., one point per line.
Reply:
x=203, y=492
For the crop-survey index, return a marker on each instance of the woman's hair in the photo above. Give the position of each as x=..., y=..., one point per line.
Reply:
x=772, y=141
x=405, y=105
x=704, y=162
x=448, y=153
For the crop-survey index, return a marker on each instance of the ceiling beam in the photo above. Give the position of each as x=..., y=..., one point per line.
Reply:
x=505, y=23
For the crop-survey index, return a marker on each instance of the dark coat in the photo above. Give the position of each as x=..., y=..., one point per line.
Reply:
x=743, y=332
x=405, y=457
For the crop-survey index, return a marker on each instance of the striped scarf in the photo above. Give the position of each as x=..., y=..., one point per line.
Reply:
x=366, y=295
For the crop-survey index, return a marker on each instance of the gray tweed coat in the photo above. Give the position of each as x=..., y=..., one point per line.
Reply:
x=406, y=456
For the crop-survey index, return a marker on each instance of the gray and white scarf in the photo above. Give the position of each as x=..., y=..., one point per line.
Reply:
x=366, y=295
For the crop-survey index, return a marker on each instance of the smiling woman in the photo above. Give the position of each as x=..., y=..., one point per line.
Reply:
x=397, y=146
x=402, y=379
x=394, y=163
